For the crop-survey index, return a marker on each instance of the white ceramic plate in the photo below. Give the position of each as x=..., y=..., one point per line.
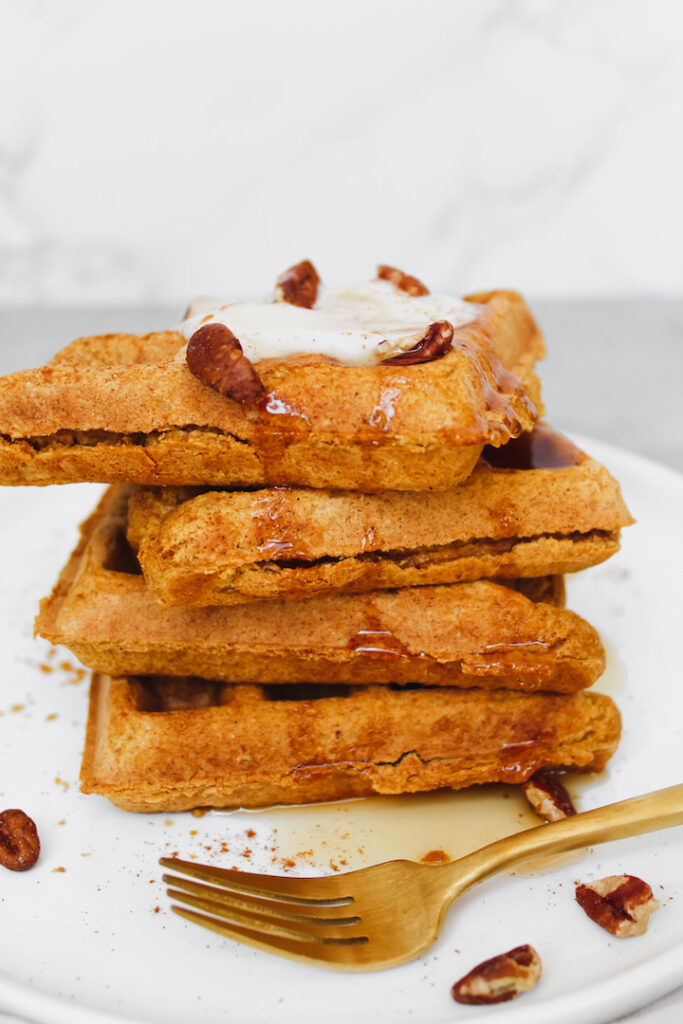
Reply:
x=87, y=944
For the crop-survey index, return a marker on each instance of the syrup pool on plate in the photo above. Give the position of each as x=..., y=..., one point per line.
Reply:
x=430, y=827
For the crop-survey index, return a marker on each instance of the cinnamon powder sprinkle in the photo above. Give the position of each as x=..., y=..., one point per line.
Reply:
x=435, y=857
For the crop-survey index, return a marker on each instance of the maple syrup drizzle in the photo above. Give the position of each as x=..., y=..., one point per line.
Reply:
x=374, y=641
x=383, y=413
x=503, y=392
x=540, y=448
x=530, y=659
x=270, y=525
x=538, y=669
x=521, y=760
x=513, y=646
x=280, y=424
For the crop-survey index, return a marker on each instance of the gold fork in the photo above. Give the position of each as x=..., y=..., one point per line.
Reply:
x=387, y=914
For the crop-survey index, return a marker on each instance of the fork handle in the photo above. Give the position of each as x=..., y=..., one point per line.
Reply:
x=633, y=817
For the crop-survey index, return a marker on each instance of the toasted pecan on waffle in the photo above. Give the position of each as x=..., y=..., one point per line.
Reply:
x=548, y=509
x=127, y=408
x=166, y=745
x=468, y=634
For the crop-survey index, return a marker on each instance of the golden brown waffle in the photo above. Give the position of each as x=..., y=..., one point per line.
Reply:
x=467, y=634
x=164, y=745
x=549, y=510
x=124, y=408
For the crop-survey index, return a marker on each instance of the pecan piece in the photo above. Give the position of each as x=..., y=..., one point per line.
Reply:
x=548, y=797
x=215, y=357
x=436, y=342
x=621, y=904
x=404, y=282
x=499, y=979
x=19, y=842
x=299, y=285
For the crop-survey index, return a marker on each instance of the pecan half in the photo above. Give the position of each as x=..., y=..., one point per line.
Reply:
x=436, y=342
x=404, y=282
x=548, y=797
x=621, y=904
x=215, y=357
x=19, y=842
x=499, y=979
x=299, y=285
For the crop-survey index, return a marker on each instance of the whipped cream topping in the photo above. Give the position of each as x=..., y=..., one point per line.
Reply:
x=358, y=326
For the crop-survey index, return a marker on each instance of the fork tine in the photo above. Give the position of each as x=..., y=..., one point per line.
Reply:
x=314, y=913
x=324, y=890
x=337, y=955
x=304, y=929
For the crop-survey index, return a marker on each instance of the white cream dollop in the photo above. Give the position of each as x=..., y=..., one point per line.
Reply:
x=359, y=326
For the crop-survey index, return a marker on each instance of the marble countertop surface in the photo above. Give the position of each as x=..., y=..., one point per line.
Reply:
x=457, y=140
x=613, y=372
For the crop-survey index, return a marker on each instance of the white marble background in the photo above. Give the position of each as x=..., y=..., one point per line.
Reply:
x=152, y=150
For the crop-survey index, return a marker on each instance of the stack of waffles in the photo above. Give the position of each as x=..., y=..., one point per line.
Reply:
x=321, y=572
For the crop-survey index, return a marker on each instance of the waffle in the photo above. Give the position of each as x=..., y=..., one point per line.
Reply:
x=549, y=509
x=126, y=408
x=169, y=745
x=468, y=634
